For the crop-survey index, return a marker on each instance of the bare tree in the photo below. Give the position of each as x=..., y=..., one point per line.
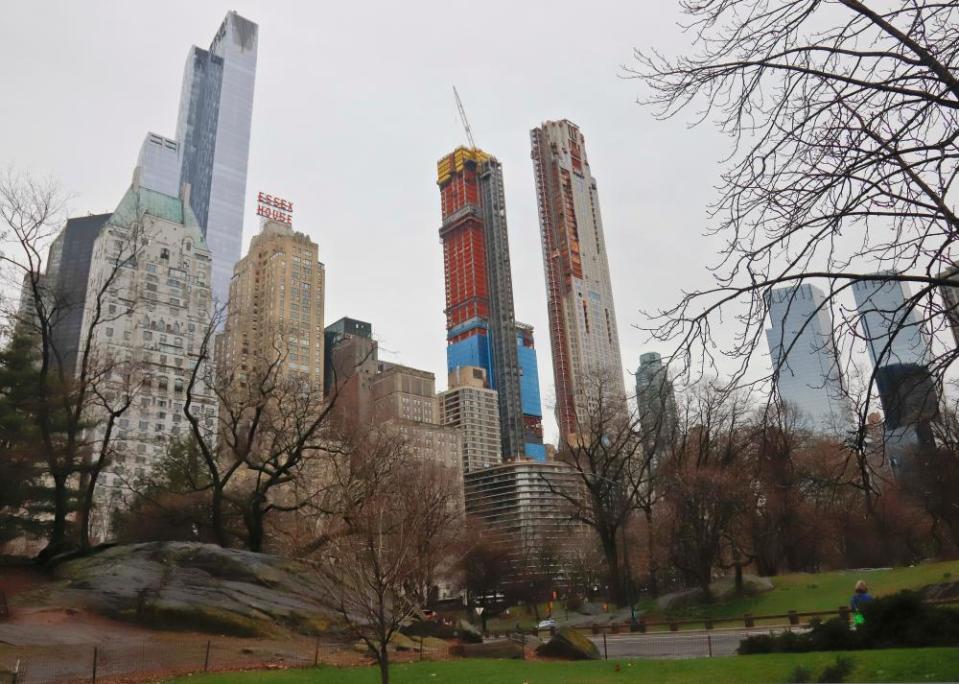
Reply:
x=75, y=405
x=370, y=570
x=609, y=461
x=845, y=120
x=706, y=490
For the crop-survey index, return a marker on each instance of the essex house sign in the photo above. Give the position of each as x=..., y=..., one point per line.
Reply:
x=274, y=208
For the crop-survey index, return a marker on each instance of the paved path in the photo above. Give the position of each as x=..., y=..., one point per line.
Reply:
x=691, y=644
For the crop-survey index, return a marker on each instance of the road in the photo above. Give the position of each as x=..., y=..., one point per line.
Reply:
x=696, y=644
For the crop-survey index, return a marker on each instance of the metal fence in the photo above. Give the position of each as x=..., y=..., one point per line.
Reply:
x=699, y=644
x=150, y=658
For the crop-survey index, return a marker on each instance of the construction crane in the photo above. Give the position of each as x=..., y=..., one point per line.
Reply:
x=466, y=123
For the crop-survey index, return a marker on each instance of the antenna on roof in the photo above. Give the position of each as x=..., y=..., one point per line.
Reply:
x=466, y=123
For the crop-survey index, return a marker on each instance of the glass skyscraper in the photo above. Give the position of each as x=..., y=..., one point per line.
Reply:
x=901, y=353
x=804, y=360
x=655, y=404
x=213, y=130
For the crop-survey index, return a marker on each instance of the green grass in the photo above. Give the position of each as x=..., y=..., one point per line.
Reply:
x=825, y=590
x=894, y=665
x=803, y=592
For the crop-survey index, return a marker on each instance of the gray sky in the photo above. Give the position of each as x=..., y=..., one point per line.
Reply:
x=353, y=108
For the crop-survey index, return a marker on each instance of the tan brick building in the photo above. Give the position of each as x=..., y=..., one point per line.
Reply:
x=276, y=305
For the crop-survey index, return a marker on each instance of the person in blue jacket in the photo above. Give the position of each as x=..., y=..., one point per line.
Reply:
x=860, y=597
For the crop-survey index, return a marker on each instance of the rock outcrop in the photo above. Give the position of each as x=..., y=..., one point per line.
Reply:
x=569, y=644
x=198, y=587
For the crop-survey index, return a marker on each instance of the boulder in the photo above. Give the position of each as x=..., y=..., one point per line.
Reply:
x=469, y=633
x=569, y=644
x=940, y=591
x=401, y=642
x=429, y=628
x=196, y=587
x=721, y=589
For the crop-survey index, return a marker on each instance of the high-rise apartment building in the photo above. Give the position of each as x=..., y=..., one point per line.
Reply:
x=153, y=318
x=655, y=402
x=480, y=321
x=900, y=351
x=472, y=408
x=67, y=278
x=213, y=130
x=529, y=393
x=804, y=359
x=337, y=333
x=582, y=318
x=276, y=306
x=370, y=392
x=523, y=505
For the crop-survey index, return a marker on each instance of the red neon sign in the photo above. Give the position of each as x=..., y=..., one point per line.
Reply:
x=274, y=208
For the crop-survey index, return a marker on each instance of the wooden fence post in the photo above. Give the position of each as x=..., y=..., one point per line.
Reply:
x=206, y=657
x=93, y=678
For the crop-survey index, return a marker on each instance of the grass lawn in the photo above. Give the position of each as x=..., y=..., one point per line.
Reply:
x=800, y=591
x=894, y=665
x=827, y=590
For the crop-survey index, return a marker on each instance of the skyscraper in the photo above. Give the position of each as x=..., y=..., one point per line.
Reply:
x=804, y=359
x=480, y=322
x=337, y=333
x=471, y=407
x=900, y=351
x=67, y=275
x=153, y=317
x=529, y=392
x=655, y=402
x=582, y=319
x=213, y=129
x=276, y=305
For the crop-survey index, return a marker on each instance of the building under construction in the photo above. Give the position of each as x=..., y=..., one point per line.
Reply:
x=582, y=320
x=480, y=321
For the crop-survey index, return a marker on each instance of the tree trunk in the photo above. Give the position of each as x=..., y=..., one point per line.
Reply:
x=651, y=552
x=216, y=515
x=610, y=553
x=384, y=663
x=739, y=578
x=254, y=528
x=61, y=505
x=86, y=506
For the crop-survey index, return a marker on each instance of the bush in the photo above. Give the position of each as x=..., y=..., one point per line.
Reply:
x=898, y=621
x=838, y=671
x=832, y=635
x=903, y=620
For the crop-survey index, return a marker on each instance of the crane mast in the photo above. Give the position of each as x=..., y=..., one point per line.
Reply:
x=466, y=123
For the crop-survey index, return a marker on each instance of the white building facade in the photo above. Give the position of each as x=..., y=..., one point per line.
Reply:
x=582, y=319
x=151, y=268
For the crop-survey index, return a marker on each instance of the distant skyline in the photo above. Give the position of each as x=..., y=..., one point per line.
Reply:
x=353, y=107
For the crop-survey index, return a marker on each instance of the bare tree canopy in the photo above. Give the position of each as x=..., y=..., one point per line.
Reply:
x=845, y=118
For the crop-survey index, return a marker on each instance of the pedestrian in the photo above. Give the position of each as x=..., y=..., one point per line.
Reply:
x=860, y=597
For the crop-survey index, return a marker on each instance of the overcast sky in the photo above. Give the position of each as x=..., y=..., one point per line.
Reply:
x=353, y=107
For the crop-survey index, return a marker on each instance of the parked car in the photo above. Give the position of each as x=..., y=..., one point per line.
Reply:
x=548, y=623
